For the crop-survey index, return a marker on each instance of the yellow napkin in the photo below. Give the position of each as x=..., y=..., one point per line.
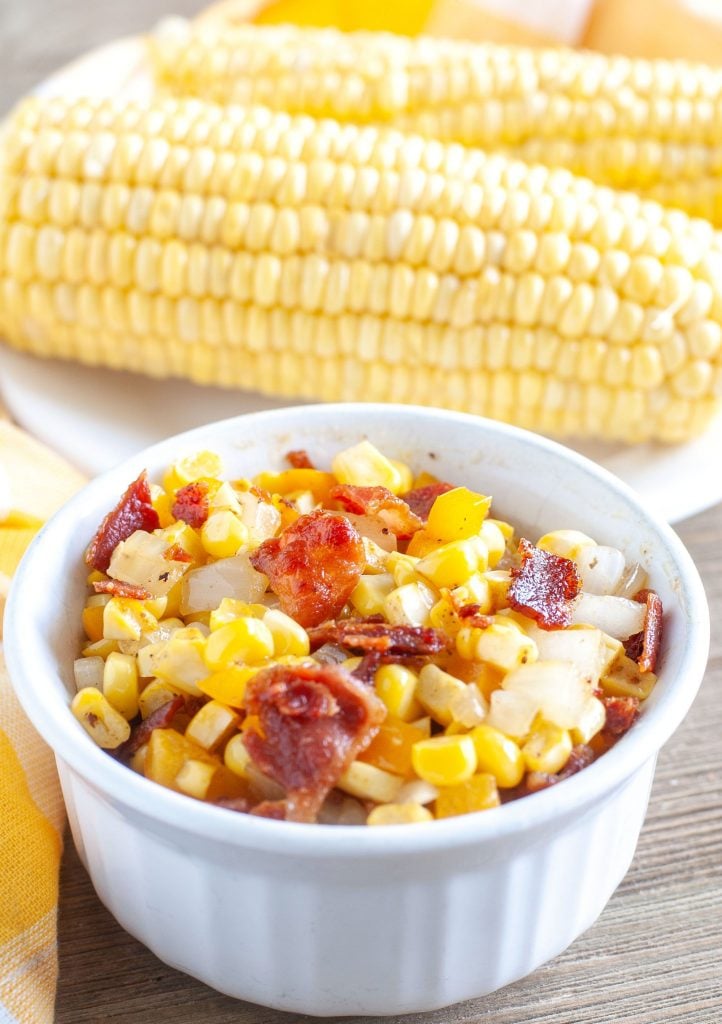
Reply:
x=33, y=483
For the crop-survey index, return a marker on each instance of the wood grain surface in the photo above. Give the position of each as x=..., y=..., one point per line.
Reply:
x=654, y=955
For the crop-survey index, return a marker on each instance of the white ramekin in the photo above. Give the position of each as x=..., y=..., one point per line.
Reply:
x=339, y=920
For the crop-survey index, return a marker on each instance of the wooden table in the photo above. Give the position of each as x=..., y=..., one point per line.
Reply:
x=654, y=955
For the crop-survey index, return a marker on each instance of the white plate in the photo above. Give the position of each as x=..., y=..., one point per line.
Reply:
x=98, y=417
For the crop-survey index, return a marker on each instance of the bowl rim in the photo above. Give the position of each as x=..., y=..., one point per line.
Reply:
x=160, y=806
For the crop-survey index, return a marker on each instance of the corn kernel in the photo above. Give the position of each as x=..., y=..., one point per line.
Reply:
x=212, y=725
x=623, y=679
x=591, y=721
x=399, y=814
x=99, y=718
x=229, y=685
x=92, y=617
x=498, y=755
x=168, y=751
x=476, y=590
x=502, y=644
x=120, y=684
x=155, y=695
x=416, y=791
x=453, y=564
x=498, y=581
x=363, y=465
x=236, y=756
x=565, y=543
x=375, y=557
x=444, y=760
x=179, y=660
x=494, y=540
x=458, y=514
x=422, y=543
x=407, y=477
x=125, y=619
x=367, y=782
x=402, y=568
x=194, y=778
x=292, y=481
x=162, y=503
x=192, y=467
x=409, y=605
x=288, y=636
x=547, y=749
x=436, y=691
x=185, y=537
x=137, y=760
x=479, y=793
x=223, y=534
x=100, y=649
x=244, y=639
x=231, y=609
x=370, y=592
x=396, y=686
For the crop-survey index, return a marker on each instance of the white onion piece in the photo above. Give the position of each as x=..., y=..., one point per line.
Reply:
x=469, y=707
x=261, y=518
x=584, y=648
x=330, y=654
x=339, y=809
x=555, y=687
x=418, y=791
x=374, y=529
x=600, y=568
x=633, y=580
x=88, y=672
x=205, y=588
x=511, y=713
x=141, y=560
x=616, y=616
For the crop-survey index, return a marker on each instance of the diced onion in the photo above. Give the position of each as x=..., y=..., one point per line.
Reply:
x=555, y=687
x=330, y=654
x=616, y=616
x=418, y=791
x=633, y=580
x=601, y=569
x=205, y=588
x=511, y=713
x=339, y=809
x=374, y=529
x=88, y=672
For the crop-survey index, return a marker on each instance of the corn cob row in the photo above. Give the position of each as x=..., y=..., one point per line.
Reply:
x=651, y=126
x=254, y=249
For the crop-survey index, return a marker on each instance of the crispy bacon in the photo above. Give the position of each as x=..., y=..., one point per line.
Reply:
x=300, y=459
x=161, y=718
x=393, y=512
x=471, y=614
x=543, y=586
x=175, y=553
x=622, y=713
x=313, y=722
x=421, y=499
x=580, y=757
x=364, y=637
x=118, y=588
x=133, y=512
x=644, y=647
x=192, y=504
x=313, y=566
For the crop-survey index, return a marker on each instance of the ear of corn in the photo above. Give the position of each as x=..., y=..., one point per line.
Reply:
x=651, y=126
x=250, y=248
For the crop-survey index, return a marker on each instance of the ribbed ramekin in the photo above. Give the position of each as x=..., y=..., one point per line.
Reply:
x=339, y=920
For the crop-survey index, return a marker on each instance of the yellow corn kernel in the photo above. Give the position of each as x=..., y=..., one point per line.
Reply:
x=162, y=503
x=363, y=465
x=120, y=684
x=494, y=540
x=424, y=724
x=444, y=616
x=498, y=581
x=506, y=529
x=293, y=481
x=453, y=564
x=100, y=649
x=125, y=619
x=168, y=751
x=409, y=605
x=375, y=557
x=367, y=782
x=236, y=756
x=436, y=690
x=157, y=606
x=192, y=467
x=137, y=760
x=479, y=793
x=244, y=639
x=194, y=778
x=223, y=534
x=502, y=644
x=185, y=537
x=179, y=660
x=229, y=685
x=444, y=760
x=591, y=721
x=99, y=718
x=289, y=638
x=476, y=590
x=399, y=814
x=623, y=679
x=566, y=543
x=370, y=592
x=407, y=477
x=422, y=543
x=231, y=609
x=458, y=514
x=498, y=755
x=155, y=695
x=212, y=725
x=92, y=617
x=396, y=686
x=547, y=749
x=173, y=597
x=402, y=568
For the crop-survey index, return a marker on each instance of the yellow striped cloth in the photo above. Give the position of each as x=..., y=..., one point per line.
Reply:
x=33, y=483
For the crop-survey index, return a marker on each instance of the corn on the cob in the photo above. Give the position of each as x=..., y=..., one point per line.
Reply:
x=650, y=125
x=249, y=248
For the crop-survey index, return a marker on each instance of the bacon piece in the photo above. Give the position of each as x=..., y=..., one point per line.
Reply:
x=313, y=566
x=421, y=499
x=393, y=512
x=622, y=713
x=314, y=720
x=364, y=637
x=644, y=647
x=133, y=512
x=300, y=459
x=580, y=757
x=192, y=504
x=161, y=718
x=175, y=553
x=120, y=589
x=543, y=586
x=471, y=614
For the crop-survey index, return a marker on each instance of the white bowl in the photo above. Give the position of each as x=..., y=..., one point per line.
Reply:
x=339, y=920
